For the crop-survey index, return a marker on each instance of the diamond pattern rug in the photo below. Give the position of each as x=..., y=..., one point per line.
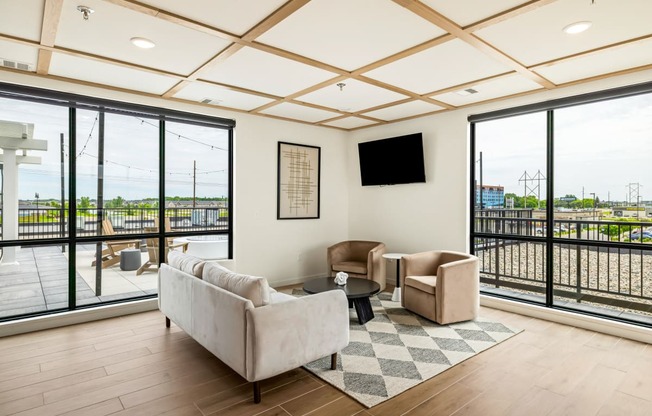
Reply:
x=398, y=350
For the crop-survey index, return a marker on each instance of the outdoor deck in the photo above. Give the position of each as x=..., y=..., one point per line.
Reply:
x=40, y=281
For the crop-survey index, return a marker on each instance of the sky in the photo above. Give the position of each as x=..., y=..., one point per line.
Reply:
x=600, y=147
x=131, y=155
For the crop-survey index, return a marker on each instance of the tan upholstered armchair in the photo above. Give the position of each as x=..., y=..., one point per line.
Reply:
x=359, y=259
x=443, y=286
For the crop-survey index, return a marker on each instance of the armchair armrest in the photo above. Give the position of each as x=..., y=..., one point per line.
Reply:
x=287, y=335
x=337, y=253
x=376, y=265
x=458, y=289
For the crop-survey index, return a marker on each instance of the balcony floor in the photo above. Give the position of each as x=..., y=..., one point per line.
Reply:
x=39, y=282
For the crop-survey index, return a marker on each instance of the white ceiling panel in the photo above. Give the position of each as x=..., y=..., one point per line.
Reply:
x=404, y=110
x=221, y=14
x=471, y=11
x=451, y=63
x=108, y=32
x=198, y=91
x=610, y=60
x=19, y=53
x=21, y=18
x=499, y=87
x=353, y=96
x=350, y=122
x=108, y=74
x=541, y=38
x=262, y=71
x=350, y=34
x=299, y=112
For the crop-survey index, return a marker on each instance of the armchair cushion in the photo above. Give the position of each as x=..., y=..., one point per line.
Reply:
x=357, y=267
x=424, y=283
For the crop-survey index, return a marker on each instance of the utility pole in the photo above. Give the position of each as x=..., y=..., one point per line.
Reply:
x=194, y=181
x=62, y=214
x=481, y=204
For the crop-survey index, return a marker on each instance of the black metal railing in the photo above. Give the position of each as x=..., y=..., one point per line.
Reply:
x=48, y=223
x=604, y=262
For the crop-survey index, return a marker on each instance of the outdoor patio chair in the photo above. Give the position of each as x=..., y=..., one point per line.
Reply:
x=168, y=228
x=153, y=253
x=111, y=254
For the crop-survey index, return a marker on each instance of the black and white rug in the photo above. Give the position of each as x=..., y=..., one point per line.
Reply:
x=398, y=350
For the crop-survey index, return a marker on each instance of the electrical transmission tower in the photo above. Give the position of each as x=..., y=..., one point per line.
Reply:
x=532, y=186
x=633, y=190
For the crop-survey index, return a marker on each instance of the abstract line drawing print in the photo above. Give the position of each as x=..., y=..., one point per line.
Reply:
x=298, y=181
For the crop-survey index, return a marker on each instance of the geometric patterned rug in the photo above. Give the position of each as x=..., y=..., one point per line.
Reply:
x=398, y=350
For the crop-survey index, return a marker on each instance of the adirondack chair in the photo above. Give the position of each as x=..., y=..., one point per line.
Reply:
x=111, y=254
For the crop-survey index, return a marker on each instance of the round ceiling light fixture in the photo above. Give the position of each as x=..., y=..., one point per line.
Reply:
x=577, y=27
x=142, y=43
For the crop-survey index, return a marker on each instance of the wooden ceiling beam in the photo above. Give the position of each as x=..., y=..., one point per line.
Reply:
x=433, y=17
x=49, y=28
x=507, y=14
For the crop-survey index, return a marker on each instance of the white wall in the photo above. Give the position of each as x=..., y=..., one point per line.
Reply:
x=434, y=215
x=408, y=218
x=283, y=251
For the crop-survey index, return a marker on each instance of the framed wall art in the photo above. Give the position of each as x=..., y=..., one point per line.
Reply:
x=298, y=181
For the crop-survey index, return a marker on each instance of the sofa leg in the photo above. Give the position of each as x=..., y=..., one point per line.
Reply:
x=167, y=322
x=256, y=391
x=334, y=361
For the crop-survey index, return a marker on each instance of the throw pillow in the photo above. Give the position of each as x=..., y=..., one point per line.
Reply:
x=254, y=288
x=186, y=263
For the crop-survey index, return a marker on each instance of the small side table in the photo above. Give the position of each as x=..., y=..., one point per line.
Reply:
x=396, y=296
x=130, y=259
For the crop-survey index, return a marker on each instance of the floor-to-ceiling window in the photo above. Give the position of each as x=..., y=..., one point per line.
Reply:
x=590, y=249
x=84, y=184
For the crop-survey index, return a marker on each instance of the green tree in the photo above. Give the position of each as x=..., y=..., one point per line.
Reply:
x=84, y=202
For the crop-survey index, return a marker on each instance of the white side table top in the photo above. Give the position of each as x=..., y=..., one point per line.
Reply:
x=394, y=256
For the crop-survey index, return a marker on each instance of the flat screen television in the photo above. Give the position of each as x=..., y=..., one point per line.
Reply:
x=392, y=161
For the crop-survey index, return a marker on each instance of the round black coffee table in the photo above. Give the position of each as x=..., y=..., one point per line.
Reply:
x=357, y=292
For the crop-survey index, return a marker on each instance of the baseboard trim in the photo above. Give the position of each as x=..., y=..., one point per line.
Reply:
x=294, y=281
x=39, y=323
x=605, y=326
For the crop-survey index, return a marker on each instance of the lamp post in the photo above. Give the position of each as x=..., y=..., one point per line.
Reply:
x=36, y=196
x=593, y=194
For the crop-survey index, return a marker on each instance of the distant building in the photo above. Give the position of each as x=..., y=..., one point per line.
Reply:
x=492, y=196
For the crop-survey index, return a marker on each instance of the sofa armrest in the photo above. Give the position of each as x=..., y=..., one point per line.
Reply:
x=287, y=335
x=458, y=290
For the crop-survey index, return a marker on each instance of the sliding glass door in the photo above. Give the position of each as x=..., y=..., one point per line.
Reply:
x=95, y=193
x=591, y=250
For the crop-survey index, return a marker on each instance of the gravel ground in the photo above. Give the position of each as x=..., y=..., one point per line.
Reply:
x=626, y=275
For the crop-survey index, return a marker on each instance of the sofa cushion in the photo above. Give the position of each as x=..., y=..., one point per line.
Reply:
x=254, y=288
x=186, y=263
x=423, y=283
x=356, y=267
x=278, y=297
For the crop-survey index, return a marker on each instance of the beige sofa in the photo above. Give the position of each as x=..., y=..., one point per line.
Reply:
x=255, y=330
x=357, y=258
x=443, y=286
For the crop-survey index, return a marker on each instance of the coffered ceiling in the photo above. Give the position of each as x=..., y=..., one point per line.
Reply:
x=344, y=64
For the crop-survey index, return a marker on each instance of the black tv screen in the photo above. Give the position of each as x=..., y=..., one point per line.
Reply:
x=392, y=161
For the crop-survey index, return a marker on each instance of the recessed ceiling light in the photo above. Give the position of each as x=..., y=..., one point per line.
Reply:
x=577, y=27
x=143, y=43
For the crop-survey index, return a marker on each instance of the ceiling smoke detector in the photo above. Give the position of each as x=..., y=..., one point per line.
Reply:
x=85, y=11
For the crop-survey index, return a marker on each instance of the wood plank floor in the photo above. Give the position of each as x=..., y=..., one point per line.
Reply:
x=133, y=365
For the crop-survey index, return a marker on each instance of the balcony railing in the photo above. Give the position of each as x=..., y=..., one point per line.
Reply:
x=603, y=262
x=48, y=223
